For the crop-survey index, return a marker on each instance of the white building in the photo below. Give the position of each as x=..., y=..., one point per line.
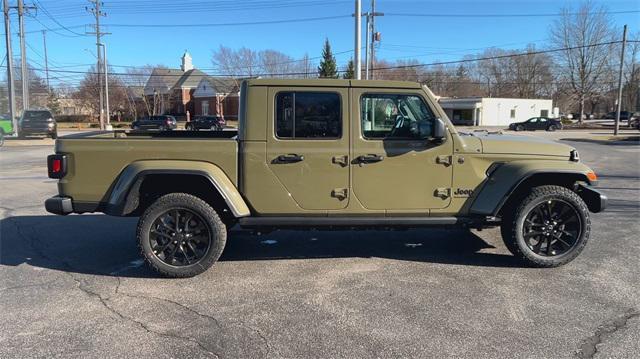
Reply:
x=489, y=111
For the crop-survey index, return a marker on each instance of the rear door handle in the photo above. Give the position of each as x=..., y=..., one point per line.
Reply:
x=370, y=158
x=289, y=158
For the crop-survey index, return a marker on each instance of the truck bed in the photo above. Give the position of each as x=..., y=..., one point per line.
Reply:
x=227, y=133
x=96, y=159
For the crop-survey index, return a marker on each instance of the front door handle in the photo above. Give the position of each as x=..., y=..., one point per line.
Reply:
x=289, y=158
x=370, y=158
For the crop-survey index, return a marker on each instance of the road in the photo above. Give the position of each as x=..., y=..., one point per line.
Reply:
x=75, y=286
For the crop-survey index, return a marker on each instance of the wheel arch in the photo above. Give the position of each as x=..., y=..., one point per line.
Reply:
x=142, y=181
x=512, y=180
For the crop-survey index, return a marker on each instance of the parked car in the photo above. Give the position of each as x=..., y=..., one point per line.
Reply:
x=37, y=122
x=161, y=122
x=537, y=123
x=624, y=115
x=214, y=123
x=302, y=154
x=634, y=121
x=6, y=128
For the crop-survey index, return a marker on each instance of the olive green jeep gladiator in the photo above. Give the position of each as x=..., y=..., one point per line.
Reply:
x=327, y=154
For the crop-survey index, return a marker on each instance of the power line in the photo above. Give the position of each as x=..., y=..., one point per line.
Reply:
x=502, y=15
x=44, y=10
x=528, y=53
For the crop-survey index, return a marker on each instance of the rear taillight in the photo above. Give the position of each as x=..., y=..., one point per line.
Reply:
x=57, y=166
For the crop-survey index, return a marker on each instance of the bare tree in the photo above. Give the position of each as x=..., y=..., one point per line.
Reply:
x=89, y=92
x=135, y=79
x=583, y=63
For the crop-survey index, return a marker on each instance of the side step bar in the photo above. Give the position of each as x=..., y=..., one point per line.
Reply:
x=255, y=222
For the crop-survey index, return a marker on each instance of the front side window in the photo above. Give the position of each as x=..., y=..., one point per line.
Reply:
x=308, y=115
x=395, y=116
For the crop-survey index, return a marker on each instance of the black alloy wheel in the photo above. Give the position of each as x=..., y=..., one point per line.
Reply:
x=180, y=237
x=548, y=227
x=552, y=228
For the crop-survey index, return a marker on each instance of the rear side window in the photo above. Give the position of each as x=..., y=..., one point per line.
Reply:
x=308, y=115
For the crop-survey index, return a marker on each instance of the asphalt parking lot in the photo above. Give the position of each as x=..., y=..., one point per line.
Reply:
x=75, y=286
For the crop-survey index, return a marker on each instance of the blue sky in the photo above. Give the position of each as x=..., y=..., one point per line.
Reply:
x=424, y=38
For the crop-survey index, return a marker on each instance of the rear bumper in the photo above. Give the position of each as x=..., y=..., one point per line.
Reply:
x=595, y=200
x=59, y=205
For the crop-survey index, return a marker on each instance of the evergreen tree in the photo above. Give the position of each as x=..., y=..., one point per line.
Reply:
x=327, y=68
x=349, y=73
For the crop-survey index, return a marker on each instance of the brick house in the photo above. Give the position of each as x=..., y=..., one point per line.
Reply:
x=217, y=96
x=170, y=91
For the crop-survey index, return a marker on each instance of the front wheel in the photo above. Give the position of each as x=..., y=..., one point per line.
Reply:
x=181, y=235
x=549, y=228
x=519, y=128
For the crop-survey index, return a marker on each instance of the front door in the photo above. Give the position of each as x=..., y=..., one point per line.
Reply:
x=394, y=166
x=308, y=145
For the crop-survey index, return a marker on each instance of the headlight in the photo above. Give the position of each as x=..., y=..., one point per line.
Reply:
x=51, y=124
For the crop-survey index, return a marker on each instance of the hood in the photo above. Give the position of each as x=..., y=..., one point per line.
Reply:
x=522, y=145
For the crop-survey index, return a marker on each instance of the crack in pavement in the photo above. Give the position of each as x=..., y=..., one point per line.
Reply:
x=589, y=346
x=104, y=301
x=197, y=313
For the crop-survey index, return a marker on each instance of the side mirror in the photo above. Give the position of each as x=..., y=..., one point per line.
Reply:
x=439, y=130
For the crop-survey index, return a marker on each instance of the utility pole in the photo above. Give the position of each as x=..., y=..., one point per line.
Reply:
x=375, y=36
x=624, y=44
x=46, y=59
x=97, y=13
x=23, y=58
x=357, y=45
x=10, y=83
x=367, y=40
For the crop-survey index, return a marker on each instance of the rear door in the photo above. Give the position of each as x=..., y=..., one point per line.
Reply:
x=308, y=145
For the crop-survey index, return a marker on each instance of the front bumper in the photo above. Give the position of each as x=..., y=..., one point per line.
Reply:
x=595, y=200
x=59, y=205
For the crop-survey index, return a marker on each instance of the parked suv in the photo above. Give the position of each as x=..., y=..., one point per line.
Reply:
x=37, y=122
x=162, y=123
x=624, y=115
x=214, y=123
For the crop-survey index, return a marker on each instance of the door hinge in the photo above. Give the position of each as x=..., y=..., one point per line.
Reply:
x=443, y=193
x=339, y=193
x=444, y=160
x=343, y=161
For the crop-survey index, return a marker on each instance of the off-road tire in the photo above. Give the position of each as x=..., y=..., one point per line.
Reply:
x=513, y=221
x=194, y=204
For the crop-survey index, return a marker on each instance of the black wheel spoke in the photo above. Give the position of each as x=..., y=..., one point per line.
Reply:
x=180, y=237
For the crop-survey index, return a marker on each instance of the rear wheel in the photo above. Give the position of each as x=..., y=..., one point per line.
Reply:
x=549, y=228
x=181, y=235
x=551, y=128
